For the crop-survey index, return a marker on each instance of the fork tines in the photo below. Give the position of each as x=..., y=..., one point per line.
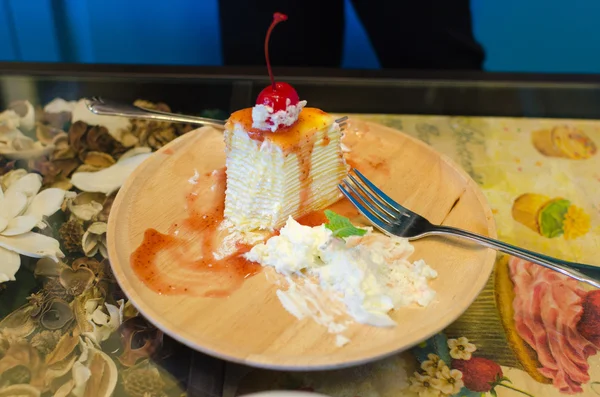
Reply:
x=374, y=204
x=342, y=121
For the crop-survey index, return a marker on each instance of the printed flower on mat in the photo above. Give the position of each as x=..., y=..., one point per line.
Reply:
x=448, y=381
x=432, y=365
x=461, y=349
x=22, y=207
x=576, y=223
x=422, y=384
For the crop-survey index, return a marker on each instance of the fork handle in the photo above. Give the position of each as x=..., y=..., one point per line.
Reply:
x=110, y=108
x=564, y=267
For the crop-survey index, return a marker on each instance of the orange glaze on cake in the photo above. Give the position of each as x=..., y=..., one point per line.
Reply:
x=289, y=139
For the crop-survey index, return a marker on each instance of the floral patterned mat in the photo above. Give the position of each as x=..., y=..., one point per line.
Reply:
x=67, y=330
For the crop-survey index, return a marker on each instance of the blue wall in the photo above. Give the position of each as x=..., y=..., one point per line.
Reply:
x=539, y=35
x=529, y=36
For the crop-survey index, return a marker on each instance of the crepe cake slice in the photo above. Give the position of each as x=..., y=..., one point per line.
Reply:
x=292, y=171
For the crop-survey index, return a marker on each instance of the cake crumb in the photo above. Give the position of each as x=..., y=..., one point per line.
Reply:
x=194, y=180
x=341, y=340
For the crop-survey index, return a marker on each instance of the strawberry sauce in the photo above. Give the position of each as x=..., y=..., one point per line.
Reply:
x=181, y=262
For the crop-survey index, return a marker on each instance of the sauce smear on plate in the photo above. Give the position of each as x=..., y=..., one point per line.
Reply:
x=181, y=262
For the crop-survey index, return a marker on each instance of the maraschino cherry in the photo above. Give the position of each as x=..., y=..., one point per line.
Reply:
x=276, y=95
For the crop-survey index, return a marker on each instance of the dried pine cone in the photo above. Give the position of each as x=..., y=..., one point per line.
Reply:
x=71, y=233
x=54, y=289
x=46, y=341
x=143, y=381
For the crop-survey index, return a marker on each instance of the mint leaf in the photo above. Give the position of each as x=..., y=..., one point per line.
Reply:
x=341, y=226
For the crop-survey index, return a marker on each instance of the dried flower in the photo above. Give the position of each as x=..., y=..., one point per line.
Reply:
x=103, y=323
x=19, y=374
x=58, y=315
x=148, y=338
x=56, y=113
x=97, y=268
x=6, y=165
x=84, y=138
x=46, y=341
x=84, y=206
x=55, y=289
x=95, y=161
x=55, y=172
x=143, y=380
x=76, y=281
x=100, y=381
x=21, y=209
x=46, y=133
x=106, y=207
x=94, y=240
x=40, y=302
x=156, y=134
x=21, y=390
x=110, y=179
x=19, y=324
x=23, y=354
x=15, y=145
x=26, y=113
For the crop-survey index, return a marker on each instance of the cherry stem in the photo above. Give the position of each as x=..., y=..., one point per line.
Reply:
x=515, y=389
x=277, y=17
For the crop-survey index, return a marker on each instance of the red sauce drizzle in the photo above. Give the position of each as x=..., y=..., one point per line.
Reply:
x=305, y=164
x=342, y=207
x=314, y=218
x=182, y=262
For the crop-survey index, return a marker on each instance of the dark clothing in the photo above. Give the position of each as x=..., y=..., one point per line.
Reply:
x=417, y=34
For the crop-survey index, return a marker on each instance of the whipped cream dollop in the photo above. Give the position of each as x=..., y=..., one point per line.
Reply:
x=265, y=118
x=370, y=274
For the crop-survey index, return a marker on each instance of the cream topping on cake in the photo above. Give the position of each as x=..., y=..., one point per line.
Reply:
x=266, y=118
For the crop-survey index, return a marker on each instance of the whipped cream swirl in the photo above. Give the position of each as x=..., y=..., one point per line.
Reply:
x=265, y=118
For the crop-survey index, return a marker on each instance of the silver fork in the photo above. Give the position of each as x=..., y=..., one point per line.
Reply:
x=393, y=219
x=105, y=107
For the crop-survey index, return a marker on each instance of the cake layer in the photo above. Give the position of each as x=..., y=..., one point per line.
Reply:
x=274, y=177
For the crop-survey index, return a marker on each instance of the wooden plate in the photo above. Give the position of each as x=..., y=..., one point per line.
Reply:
x=250, y=326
